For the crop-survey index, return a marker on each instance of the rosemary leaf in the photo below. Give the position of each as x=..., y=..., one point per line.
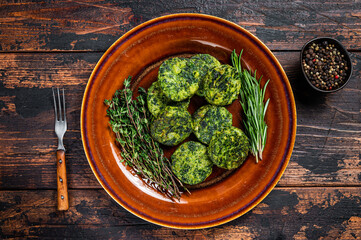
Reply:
x=254, y=108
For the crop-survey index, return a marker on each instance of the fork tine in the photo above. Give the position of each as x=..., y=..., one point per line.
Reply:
x=64, y=106
x=60, y=116
x=55, y=108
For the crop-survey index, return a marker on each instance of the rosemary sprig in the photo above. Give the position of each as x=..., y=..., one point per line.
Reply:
x=254, y=108
x=130, y=121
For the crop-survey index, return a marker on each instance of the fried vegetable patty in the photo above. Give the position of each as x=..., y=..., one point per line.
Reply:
x=209, y=119
x=202, y=64
x=228, y=148
x=177, y=80
x=190, y=163
x=222, y=85
x=172, y=126
x=157, y=100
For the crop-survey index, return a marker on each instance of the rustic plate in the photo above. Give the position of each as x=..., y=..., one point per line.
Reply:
x=138, y=53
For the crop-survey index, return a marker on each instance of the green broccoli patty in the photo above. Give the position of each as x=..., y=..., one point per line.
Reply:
x=157, y=101
x=177, y=80
x=222, y=85
x=209, y=119
x=228, y=148
x=202, y=64
x=172, y=126
x=190, y=163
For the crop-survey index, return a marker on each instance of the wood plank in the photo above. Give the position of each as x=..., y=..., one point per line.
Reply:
x=326, y=152
x=28, y=140
x=328, y=142
x=95, y=25
x=287, y=213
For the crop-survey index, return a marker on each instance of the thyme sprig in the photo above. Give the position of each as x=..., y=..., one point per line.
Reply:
x=254, y=108
x=130, y=121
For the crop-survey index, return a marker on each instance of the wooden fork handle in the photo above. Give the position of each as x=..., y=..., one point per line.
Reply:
x=63, y=202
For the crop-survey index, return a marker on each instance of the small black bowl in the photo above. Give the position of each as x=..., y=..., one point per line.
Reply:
x=342, y=50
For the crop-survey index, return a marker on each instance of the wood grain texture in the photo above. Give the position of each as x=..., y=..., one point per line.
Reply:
x=326, y=152
x=95, y=25
x=27, y=137
x=61, y=179
x=45, y=44
x=287, y=213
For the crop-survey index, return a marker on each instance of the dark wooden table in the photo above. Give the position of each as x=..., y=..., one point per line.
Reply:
x=43, y=45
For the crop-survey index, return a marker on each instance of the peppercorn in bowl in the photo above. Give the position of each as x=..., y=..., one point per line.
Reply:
x=326, y=64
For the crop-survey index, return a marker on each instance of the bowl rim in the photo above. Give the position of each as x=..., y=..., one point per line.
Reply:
x=347, y=57
x=292, y=113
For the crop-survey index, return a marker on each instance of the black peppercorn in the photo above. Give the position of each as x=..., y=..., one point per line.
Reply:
x=326, y=67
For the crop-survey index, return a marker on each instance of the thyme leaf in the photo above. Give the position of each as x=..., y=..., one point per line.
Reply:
x=130, y=121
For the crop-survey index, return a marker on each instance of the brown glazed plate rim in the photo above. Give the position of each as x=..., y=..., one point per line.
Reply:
x=291, y=110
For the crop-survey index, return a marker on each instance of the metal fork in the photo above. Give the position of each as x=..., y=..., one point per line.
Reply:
x=60, y=129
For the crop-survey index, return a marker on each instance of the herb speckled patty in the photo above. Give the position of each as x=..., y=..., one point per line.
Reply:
x=176, y=78
x=172, y=126
x=222, y=85
x=190, y=163
x=228, y=148
x=202, y=64
x=157, y=101
x=208, y=119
